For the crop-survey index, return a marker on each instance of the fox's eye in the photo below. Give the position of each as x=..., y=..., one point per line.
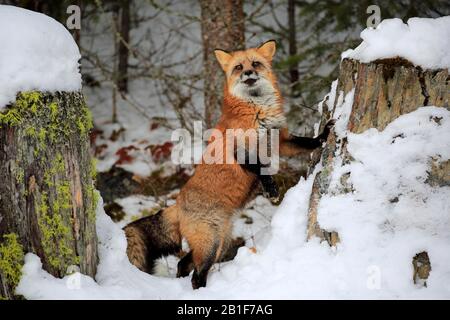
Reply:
x=256, y=64
x=238, y=67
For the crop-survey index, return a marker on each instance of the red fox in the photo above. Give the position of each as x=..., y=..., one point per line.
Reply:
x=205, y=205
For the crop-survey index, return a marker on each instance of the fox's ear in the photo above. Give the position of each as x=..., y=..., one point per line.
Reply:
x=267, y=49
x=223, y=57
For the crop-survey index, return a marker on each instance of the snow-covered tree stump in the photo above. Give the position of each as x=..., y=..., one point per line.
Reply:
x=381, y=91
x=47, y=196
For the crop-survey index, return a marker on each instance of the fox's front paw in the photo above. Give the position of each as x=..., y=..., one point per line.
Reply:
x=326, y=131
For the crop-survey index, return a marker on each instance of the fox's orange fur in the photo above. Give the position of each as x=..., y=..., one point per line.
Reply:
x=205, y=205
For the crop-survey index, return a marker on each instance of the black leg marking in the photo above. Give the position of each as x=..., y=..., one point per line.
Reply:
x=200, y=275
x=199, y=279
x=313, y=143
x=305, y=142
x=270, y=188
x=185, y=265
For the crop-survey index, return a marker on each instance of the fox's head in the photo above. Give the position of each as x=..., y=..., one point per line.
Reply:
x=249, y=73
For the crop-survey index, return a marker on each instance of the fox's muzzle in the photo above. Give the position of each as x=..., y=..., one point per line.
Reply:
x=249, y=77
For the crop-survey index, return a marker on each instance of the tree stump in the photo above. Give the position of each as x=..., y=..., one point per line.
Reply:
x=47, y=197
x=384, y=90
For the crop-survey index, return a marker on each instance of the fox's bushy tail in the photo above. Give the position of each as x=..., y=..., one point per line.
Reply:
x=152, y=237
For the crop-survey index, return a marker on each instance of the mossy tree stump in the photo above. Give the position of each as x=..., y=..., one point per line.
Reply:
x=47, y=197
x=384, y=90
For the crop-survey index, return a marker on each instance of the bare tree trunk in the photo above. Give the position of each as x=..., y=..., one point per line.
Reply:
x=293, y=69
x=115, y=75
x=222, y=24
x=122, y=79
x=47, y=197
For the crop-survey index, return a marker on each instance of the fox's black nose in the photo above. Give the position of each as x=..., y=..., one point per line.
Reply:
x=248, y=72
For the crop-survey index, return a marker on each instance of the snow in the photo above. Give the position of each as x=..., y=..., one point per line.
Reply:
x=390, y=215
x=379, y=236
x=342, y=112
x=36, y=53
x=134, y=205
x=423, y=41
x=328, y=100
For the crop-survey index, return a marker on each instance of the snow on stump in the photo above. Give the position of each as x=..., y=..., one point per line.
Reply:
x=47, y=197
x=395, y=71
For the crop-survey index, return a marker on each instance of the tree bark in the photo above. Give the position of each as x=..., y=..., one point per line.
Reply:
x=293, y=69
x=222, y=25
x=47, y=197
x=122, y=79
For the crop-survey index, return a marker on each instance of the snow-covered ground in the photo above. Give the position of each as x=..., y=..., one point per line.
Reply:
x=36, y=53
x=379, y=236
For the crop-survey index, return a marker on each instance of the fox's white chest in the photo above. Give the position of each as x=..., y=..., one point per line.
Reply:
x=276, y=121
x=271, y=115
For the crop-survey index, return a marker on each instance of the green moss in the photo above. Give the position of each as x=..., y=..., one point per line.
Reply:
x=42, y=136
x=57, y=166
x=20, y=175
x=11, y=259
x=31, y=100
x=25, y=102
x=45, y=107
x=63, y=200
x=53, y=110
x=84, y=122
x=95, y=197
x=11, y=117
x=93, y=169
x=31, y=132
x=57, y=237
x=92, y=191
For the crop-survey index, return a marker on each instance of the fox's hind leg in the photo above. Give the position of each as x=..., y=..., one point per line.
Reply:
x=206, y=240
x=204, y=248
x=203, y=261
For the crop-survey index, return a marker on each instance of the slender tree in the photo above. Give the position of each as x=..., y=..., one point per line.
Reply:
x=293, y=68
x=222, y=25
x=122, y=79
